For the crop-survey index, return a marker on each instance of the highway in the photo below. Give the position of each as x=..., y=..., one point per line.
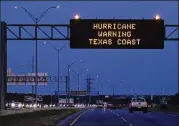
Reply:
x=122, y=117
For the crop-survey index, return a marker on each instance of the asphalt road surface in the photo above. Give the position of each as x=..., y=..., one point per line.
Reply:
x=121, y=117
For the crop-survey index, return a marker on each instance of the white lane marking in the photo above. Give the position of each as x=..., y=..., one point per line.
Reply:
x=124, y=119
x=121, y=118
x=117, y=115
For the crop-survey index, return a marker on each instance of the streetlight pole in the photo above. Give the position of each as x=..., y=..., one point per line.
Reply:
x=80, y=73
x=58, y=50
x=102, y=93
x=36, y=20
x=101, y=88
x=36, y=63
x=68, y=84
x=68, y=80
x=58, y=75
x=78, y=87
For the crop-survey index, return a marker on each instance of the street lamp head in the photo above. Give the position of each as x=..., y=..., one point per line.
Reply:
x=16, y=7
x=96, y=76
x=77, y=17
x=58, y=6
x=157, y=17
x=45, y=42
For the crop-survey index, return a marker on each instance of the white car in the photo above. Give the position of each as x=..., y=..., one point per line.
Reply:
x=14, y=105
x=138, y=104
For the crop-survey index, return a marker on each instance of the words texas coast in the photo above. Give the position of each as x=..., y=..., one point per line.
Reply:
x=107, y=31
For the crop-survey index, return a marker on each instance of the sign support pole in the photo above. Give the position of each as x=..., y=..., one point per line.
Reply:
x=3, y=65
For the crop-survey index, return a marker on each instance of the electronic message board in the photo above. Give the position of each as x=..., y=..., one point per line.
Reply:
x=117, y=34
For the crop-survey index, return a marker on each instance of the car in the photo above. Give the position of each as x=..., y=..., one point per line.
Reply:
x=110, y=106
x=163, y=104
x=14, y=105
x=100, y=106
x=138, y=104
x=118, y=106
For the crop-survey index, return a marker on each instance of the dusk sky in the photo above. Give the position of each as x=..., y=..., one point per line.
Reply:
x=145, y=71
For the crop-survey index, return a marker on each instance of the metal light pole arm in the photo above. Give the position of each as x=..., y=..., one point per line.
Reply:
x=72, y=63
x=43, y=14
x=30, y=15
x=62, y=47
x=55, y=48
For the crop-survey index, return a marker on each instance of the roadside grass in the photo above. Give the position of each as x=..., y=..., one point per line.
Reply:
x=39, y=118
x=170, y=109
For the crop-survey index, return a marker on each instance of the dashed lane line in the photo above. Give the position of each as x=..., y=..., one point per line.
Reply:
x=130, y=124
x=122, y=118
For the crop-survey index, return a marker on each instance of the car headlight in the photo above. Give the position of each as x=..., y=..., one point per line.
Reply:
x=34, y=105
x=19, y=105
x=6, y=104
x=13, y=104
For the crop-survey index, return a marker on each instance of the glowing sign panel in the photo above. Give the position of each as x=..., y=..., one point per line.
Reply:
x=124, y=34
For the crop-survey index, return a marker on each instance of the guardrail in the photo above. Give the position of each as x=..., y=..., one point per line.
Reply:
x=29, y=110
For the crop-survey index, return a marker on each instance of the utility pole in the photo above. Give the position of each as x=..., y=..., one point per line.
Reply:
x=89, y=87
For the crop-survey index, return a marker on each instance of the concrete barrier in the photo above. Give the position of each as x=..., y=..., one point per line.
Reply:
x=28, y=110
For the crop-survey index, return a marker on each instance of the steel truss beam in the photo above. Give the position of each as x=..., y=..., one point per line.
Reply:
x=27, y=79
x=173, y=34
x=76, y=93
x=56, y=30
x=17, y=30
